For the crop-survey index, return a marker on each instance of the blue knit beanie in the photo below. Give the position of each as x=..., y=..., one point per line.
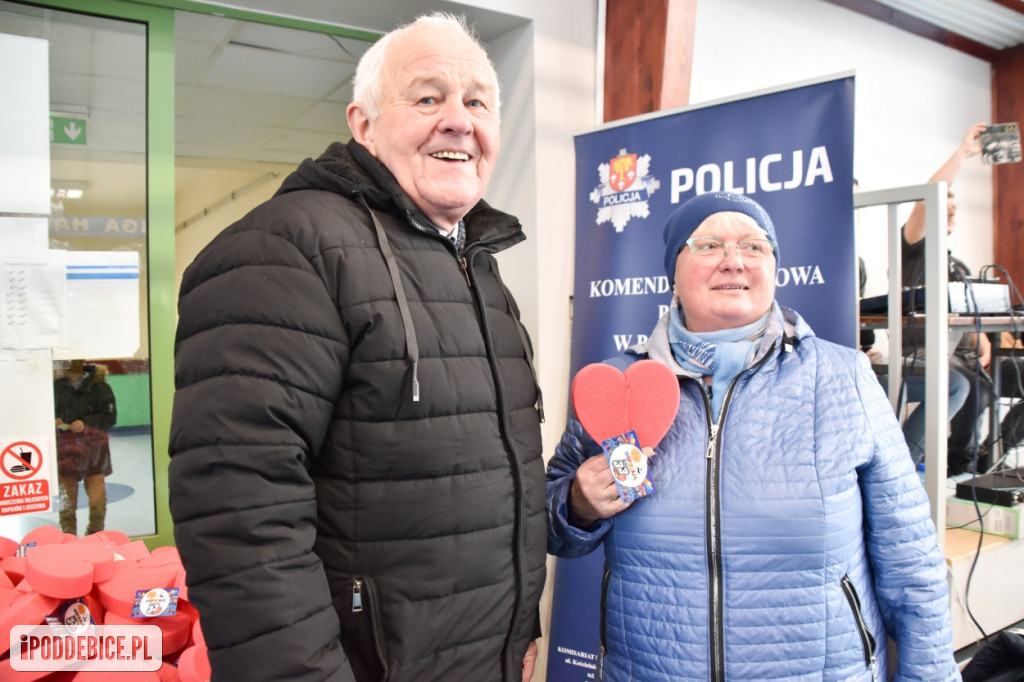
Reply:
x=688, y=217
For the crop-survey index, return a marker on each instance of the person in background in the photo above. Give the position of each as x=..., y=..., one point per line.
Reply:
x=85, y=410
x=914, y=393
x=972, y=355
x=788, y=536
x=913, y=388
x=356, y=476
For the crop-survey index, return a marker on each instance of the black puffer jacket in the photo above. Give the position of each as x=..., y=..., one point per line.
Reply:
x=304, y=332
x=90, y=399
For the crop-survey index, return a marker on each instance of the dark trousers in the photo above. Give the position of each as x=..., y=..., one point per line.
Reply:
x=1011, y=385
x=963, y=447
x=966, y=452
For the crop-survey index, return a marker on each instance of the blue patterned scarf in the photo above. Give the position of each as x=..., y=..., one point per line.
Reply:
x=722, y=354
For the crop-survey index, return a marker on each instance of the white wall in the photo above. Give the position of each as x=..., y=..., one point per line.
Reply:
x=547, y=72
x=915, y=100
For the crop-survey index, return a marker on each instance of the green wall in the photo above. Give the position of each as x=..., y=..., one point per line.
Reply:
x=131, y=391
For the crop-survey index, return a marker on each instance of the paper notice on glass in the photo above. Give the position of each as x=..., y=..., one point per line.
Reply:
x=23, y=233
x=32, y=287
x=30, y=406
x=103, y=312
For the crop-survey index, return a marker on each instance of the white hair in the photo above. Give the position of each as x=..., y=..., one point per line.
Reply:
x=367, y=88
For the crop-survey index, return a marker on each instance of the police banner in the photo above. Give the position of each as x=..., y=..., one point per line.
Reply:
x=791, y=150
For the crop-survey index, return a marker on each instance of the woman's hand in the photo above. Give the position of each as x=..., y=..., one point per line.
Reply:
x=593, y=494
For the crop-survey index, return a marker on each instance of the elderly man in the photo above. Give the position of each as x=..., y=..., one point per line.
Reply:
x=356, y=477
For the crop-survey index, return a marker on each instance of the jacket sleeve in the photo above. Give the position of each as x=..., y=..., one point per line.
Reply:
x=909, y=569
x=259, y=360
x=564, y=538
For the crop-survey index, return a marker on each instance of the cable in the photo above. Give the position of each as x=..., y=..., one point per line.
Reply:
x=964, y=277
x=342, y=46
x=1011, y=382
x=974, y=497
x=974, y=560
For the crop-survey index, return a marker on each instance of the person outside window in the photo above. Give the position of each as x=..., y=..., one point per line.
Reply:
x=85, y=410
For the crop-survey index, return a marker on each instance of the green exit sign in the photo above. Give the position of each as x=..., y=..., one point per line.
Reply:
x=64, y=130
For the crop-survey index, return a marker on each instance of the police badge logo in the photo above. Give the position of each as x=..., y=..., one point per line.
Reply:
x=625, y=187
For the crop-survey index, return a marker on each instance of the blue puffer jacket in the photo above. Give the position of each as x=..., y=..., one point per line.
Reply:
x=786, y=547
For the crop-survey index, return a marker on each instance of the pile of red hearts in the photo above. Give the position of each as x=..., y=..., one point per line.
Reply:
x=103, y=573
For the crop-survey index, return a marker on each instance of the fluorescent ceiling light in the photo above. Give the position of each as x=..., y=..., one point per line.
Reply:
x=67, y=189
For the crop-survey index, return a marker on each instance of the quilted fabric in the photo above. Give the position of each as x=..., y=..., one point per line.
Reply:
x=809, y=499
x=304, y=470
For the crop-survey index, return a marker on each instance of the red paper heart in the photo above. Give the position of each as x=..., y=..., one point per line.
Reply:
x=644, y=399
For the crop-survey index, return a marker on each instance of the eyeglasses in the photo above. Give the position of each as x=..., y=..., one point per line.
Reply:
x=715, y=249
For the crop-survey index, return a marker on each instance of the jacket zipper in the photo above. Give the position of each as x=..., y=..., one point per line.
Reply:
x=364, y=603
x=603, y=642
x=712, y=524
x=519, y=550
x=357, y=596
x=465, y=270
x=866, y=638
x=713, y=539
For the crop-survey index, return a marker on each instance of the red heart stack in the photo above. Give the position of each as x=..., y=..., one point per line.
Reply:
x=105, y=571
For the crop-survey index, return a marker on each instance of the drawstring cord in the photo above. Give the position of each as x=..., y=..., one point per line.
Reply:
x=412, y=347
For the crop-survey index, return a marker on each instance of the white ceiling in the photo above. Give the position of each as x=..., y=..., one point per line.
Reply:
x=259, y=92
x=245, y=92
x=997, y=24
x=249, y=92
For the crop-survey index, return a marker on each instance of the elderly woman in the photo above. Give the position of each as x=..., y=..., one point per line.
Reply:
x=788, y=535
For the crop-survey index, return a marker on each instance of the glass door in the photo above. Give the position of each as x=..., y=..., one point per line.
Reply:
x=90, y=352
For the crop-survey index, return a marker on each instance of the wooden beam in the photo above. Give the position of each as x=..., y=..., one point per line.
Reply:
x=648, y=55
x=1008, y=178
x=678, y=63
